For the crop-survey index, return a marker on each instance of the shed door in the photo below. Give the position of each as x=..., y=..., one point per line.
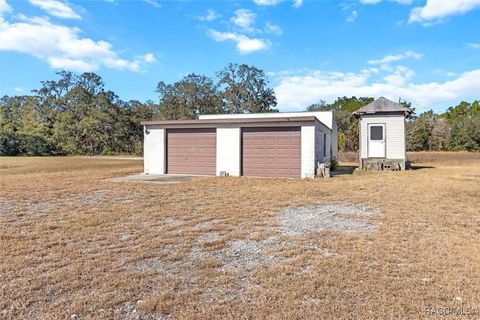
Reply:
x=376, y=140
x=271, y=152
x=191, y=151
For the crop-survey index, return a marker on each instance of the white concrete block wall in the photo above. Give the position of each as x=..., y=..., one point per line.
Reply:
x=308, y=151
x=394, y=136
x=229, y=150
x=334, y=139
x=154, y=151
x=320, y=140
x=318, y=146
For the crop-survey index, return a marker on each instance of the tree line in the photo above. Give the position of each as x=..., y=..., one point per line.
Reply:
x=76, y=114
x=458, y=128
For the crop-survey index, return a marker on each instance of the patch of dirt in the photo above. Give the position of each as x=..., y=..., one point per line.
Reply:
x=250, y=254
x=6, y=208
x=208, y=237
x=13, y=209
x=340, y=217
x=206, y=224
x=241, y=254
x=150, y=264
x=172, y=222
x=10, y=209
x=96, y=197
x=129, y=311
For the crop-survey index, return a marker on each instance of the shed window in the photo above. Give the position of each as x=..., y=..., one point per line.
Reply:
x=376, y=133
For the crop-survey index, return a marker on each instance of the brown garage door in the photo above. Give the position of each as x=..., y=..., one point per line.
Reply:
x=271, y=152
x=191, y=151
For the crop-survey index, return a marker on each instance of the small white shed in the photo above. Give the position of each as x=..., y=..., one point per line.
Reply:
x=382, y=135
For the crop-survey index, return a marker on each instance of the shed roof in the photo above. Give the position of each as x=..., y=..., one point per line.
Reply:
x=382, y=105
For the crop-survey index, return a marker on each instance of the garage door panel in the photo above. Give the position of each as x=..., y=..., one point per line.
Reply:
x=259, y=172
x=270, y=159
x=284, y=141
x=191, y=151
x=260, y=152
x=271, y=152
x=283, y=161
x=283, y=171
x=272, y=172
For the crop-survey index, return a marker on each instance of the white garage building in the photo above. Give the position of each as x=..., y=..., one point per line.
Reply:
x=265, y=144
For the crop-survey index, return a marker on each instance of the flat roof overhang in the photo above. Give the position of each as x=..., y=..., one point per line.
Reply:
x=245, y=122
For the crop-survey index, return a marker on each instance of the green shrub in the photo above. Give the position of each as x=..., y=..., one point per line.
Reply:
x=9, y=144
x=35, y=145
x=333, y=164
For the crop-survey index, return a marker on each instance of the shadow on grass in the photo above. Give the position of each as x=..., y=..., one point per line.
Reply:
x=349, y=169
x=343, y=170
x=418, y=167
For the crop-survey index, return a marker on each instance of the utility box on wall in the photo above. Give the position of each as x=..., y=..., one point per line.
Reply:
x=382, y=143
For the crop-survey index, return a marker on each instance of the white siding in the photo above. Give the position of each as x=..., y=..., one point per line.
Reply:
x=394, y=136
x=228, y=150
x=154, y=151
x=308, y=151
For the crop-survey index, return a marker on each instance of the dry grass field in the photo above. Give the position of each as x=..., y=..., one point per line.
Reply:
x=73, y=246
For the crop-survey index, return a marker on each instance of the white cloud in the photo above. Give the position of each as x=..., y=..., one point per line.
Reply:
x=396, y=57
x=267, y=2
x=353, y=16
x=474, y=45
x=436, y=10
x=210, y=16
x=244, y=19
x=370, y=1
x=273, y=29
x=377, y=1
x=296, y=92
x=71, y=64
x=153, y=3
x=4, y=7
x=297, y=3
x=56, y=8
x=19, y=89
x=244, y=44
x=149, y=58
x=63, y=47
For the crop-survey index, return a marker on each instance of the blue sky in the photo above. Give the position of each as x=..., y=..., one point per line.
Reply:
x=424, y=51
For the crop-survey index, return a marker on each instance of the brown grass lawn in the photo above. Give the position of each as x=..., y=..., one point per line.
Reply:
x=74, y=246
